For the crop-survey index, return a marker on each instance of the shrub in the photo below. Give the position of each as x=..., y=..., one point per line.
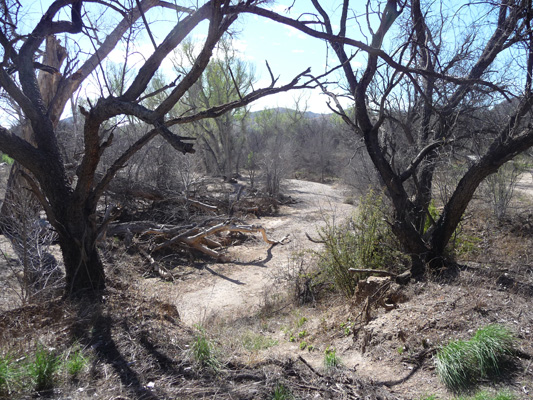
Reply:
x=364, y=241
x=461, y=364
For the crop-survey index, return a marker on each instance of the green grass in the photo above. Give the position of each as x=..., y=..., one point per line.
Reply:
x=461, y=364
x=254, y=342
x=7, y=374
x=76, y=361
x=331, y=360
x=203, y=351
x=43, y=368
x=483, y=395
x=282, y=392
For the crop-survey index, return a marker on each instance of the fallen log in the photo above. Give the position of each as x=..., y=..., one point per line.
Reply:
x=197, y=237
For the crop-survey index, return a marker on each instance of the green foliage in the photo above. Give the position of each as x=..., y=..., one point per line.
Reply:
x=364, y=241
x=76, y=361
x=8, y=160
x=303, y=345
x=483, y=395
x=460, y=364
x=331, y=361
x=7, y=374
x=203, y=350
x=43, y=368
x=434, y=213
x=255, y=342
x=282, y=392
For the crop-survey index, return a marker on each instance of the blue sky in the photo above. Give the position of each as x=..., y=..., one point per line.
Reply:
x=287, y=51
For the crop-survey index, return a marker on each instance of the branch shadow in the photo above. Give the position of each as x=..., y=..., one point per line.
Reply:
x=235, y=281
x=94, y=330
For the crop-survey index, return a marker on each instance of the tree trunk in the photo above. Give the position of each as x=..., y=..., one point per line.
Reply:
x=84, y=271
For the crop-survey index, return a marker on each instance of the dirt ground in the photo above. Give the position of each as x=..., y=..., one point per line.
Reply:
x=391, y=350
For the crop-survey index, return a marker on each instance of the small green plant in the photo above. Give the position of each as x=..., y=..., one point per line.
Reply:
x=7, y=374
x=282, y=392
x=302, y=334
x=483, y=395
x=8, y=160
x=331, y=361
x=460, y=364
x=301, y=321
x=310, y=348
x=400, y=350
x=43, y=368
x=255, y=342
x=76, y=361
x=203, y=350
x=303, y=345
x=430, y=397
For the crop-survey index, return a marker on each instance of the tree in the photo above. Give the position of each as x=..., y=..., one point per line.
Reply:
x=71, y=202
x=417, y=99
x=227, y=78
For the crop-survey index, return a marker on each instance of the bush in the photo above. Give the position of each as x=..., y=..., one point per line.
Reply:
x=364, y=241
x=461, y=364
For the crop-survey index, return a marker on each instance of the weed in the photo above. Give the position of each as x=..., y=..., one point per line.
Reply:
x=282, y=392
x=302, y=334
x=461, y=364
x=7, y=374
x=43, y=368
x=483, y=395
x=400, y=350
x=301, y=321
x=203, y=350
x=430, y=397
x=331, y=361
x=303, y=345
x=255, y=342
x=76, y=361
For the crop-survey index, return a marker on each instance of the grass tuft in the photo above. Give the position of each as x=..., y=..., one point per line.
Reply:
x=203, y=351
x=461, y=364
x=282, y=392
x=331, y=360
x=43, y=368
x=7, y=374
x=76, y=361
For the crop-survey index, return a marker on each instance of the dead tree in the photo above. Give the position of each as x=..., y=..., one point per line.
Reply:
x=439, y=83
x=71, y=202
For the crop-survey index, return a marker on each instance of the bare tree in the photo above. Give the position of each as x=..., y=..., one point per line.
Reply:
x=71, y=202
x=428, y=80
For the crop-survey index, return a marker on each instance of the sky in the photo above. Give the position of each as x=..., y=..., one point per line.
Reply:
x=288, y=51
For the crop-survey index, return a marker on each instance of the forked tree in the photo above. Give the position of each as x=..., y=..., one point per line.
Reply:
x=71, y=202
x=428, y=69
